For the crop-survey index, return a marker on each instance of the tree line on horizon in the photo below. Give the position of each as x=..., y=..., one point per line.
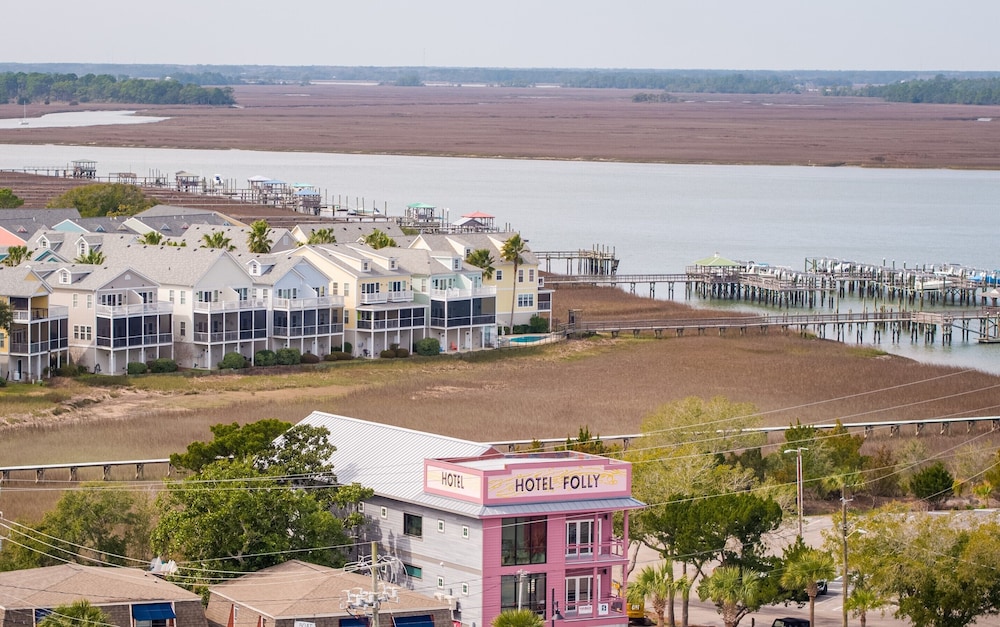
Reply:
x=24, y=88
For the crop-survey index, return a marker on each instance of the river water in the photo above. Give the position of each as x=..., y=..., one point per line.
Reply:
x=657, y=218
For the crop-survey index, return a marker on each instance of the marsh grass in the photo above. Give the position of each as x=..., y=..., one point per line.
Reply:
x=607, y=385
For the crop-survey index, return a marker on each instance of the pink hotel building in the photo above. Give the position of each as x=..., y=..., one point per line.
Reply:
x=489, y=531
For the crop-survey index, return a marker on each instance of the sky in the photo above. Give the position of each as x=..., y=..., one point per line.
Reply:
x=921, y=35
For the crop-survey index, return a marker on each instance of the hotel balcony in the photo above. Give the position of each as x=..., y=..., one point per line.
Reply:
x=605, y=607
x=595, y=552
x=38, y=348
x=39, y=314
x=230, y=305
x=221, y=337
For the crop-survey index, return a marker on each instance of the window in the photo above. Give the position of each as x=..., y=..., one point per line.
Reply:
x=523, y=541
x=289, y=293
x=76, y=301
x=413, y=571
x=370, y=288
x=520, y=275
x=531, y=275
x=334, y=288
x=440, y=526
x=498, y=274
x=532, y=592
x=397, y=286
x=579, y=592
x=90, y=301
x=81, y=332
x=183, y=329
x=361, y=507
x=171, y=296
x=347, y=316
x=579, y=538
x=441, y=582
x=183, y=296
x=525, y=300
x=465, y=532
x=413, y=525
x=383, y=512
x=465, y=589
x=347, y=289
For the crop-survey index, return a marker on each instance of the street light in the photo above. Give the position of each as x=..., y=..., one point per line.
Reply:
x=844, y=534
x=798, y=480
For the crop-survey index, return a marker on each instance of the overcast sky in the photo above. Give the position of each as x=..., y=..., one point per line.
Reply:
x=656, y=34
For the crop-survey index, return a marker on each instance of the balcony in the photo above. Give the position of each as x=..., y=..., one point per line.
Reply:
x=230, y=305
x=455, y=293
x=148, y=339
x=39, y=314
x=378, y=298
x=139, y=309
x=594, y=608
x=589, y=552
x=299, y=304
x=38, y=348
x=309, y=330
x=464, y=321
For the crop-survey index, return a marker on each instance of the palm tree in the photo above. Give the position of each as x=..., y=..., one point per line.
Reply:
x=216, y=239
x=93, y=257
x=655, y=583
x=377, y=239
x=322, y=236
x=863, y=600
x=482, y=258
x=151, y=238
x=258, y=240
x=76, y=614
x=513, y=252
x=16, y=255
x=804, y=570
x=734, y=592
x=518, y=618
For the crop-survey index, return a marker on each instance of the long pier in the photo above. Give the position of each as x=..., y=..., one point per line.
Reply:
x=982, y=324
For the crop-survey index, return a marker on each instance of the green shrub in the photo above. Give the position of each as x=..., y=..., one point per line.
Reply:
x=387, y=354
x=288, y=356
x=538, y=324
x=332, y=356
x=348, y=348
x=70, y=370
x=136, y=367
x=309, y=358
x=265, y=358
x=402, y=352
x=233, y=361
x=427, y=346
x=344, y=356
x=162, y=365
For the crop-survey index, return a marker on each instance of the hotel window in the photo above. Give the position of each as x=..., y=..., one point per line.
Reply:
x=440, y=526
x=413, y=525
x=441, y=582
x=579, y=538
x=523, y=541
x=579, y=592
x=532, y=594
x=525, y=300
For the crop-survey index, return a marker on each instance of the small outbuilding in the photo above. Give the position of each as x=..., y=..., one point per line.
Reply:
x=299, y=594
x=130, y=597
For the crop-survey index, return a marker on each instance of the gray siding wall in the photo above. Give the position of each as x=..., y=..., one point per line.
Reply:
x=449, y=555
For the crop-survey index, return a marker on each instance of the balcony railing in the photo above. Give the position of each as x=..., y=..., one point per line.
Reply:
x=472, y=292
x=231, y=305
x=404, y=296
x=38, y=314
x=148, y=339
x=139, y=309
x=308, y=330
x=37, y=348
x=298, y=304
x=610, y=550
x=464, y=321
x=594, y=608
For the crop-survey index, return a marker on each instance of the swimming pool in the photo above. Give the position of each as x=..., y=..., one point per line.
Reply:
x=526, y=339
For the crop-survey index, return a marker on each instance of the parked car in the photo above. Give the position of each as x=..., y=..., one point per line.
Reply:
x=822, y=584
x=790, y=622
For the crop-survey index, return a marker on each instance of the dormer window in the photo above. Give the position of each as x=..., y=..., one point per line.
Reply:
x=255, y=268
x=365, y=265
x=64, y=277
x=81, y=248
x=43, y=242
x=456, y=264
x=393, y=264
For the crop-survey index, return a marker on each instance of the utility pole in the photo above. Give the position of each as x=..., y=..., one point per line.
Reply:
x=799, y=490
x=843, y=527
x=375, y=590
